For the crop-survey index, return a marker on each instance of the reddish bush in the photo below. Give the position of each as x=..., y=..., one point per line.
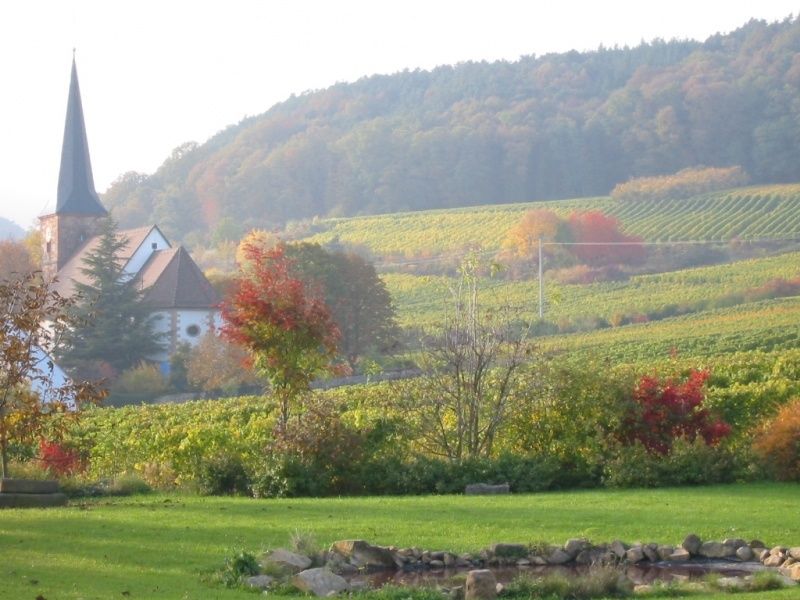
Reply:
x=665, y=410
x=57, y=459
x=779, y=443
x=605, y=243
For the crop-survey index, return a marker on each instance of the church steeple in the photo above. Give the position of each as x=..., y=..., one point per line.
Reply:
x=78, y=209
x=76, y=193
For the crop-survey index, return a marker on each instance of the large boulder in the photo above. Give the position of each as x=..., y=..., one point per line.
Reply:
x=286, y=560
x=320, y=581
x=691, y=543
x=480, y=585
x=364, y=555
x=716, y=550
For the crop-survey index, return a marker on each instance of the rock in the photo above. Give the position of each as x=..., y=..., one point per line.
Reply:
x=679, y=555
x=286, y=560
x=499, y=588
x=558, y=557
x=778, y=551
x=744, y=553
x=449, y=560
x=618, y=548
x=691, y=543
x=642, y=588
x=482, y=489
x=438, y=555
x=635, y=554
x=261, y=582
x=509, y=550
x=773, y=560
x=763, y=555
x=757, y=544
x=587, y=557
x=480, y=585
x=792, y=572
x=539, y=561
x=664, y=552
x=735, y=542
x=320, y=582
x=650, y=553
x=463, y=561
x=364, y=555
x=794, y=552
x=716, y=550
x=436, y=564
x=575, y=545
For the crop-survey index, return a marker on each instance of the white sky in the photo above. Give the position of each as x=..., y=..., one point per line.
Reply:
x=157, y=73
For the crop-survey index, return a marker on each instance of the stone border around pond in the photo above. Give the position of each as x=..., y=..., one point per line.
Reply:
x=349, y=557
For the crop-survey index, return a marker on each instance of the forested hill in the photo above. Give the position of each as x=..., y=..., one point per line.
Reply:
x=556, y=126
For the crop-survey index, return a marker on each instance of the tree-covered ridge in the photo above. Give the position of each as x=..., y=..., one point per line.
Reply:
x=556, y=126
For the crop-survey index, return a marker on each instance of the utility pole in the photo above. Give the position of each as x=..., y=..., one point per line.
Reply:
x=541, y=281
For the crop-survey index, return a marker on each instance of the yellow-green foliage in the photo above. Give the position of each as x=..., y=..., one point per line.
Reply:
x=771, y=211
x=420, y=300
x=766, y=325
x=172, y=438
x=683, y=184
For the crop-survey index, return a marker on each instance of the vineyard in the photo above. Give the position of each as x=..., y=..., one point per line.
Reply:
x=768, y=325
x=743, y=213
x=421, y=300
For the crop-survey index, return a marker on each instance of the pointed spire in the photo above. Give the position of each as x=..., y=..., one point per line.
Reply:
x=76, y=193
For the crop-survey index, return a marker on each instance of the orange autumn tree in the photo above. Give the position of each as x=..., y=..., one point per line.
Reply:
x=286, y=327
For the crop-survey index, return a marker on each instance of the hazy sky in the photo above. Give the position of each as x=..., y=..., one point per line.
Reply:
x=155, y=74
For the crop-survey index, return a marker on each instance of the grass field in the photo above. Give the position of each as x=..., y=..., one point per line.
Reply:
x=159, y=546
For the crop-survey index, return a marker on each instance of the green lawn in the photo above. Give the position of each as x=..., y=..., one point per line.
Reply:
x=157, y=546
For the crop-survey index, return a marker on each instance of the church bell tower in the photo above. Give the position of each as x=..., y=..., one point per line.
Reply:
x=78, y=208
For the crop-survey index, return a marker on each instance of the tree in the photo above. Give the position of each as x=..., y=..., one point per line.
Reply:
x=15, y=259
x=288, y=331
x=605, y=243
x=358, y=300
x=117, y=326
x=471, y=369
x=35, y=318
x=217, y=366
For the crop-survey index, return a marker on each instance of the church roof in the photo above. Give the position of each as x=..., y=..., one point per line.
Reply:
x=173, y=280
x=76, y=193
x=72, y=271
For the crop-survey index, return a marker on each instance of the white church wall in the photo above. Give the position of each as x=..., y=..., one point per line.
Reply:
x=154, y=241
x=163, y=324
x=194, y=324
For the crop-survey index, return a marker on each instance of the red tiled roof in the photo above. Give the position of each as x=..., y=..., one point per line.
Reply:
x=171, y=279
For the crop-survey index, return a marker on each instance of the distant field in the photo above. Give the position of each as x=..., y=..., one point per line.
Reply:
x=421, y=300
x=766, y=325
x=158, y=547
x=745, y=213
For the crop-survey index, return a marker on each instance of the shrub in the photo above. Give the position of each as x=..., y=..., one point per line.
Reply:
x=145, y=380
x=221, y=474
x=665, y=410
x=688, y=463
x=59, y=460
x=778, y=444
x=127, y=484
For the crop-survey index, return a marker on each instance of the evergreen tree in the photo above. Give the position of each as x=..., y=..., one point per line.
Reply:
x=116, y=328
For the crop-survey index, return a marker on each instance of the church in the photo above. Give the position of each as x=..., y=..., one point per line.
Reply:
x=172, y=283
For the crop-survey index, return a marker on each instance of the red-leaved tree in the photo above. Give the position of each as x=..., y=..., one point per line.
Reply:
x=666, y=409
x=287, y=330
x=606, y=243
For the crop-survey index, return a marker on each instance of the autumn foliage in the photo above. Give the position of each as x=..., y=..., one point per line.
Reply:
x=779, y=442
x=683, y=184
x=664, y=410
x=286, y=328
x=590, y=237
